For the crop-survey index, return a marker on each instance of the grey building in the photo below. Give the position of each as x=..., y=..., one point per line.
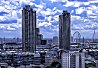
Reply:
x=28, y=29
x=55, y=40
x=39, y=38
x=96, y=63
x=12, y=46
x=73, y=59
x=64, y=31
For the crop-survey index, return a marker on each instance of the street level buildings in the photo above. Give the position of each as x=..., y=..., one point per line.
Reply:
x=64, y=31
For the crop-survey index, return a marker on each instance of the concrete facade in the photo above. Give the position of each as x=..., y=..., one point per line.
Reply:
x=55, y=40
x=73, y=60
x=28, y=29
x=64, y=31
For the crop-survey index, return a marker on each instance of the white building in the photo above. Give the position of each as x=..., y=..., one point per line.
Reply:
x=73, y=59
x=3, y=65
x=12, y=46
x=96, y=63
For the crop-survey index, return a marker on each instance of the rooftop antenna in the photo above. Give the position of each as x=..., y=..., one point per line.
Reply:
x=83, y=41
x=93, y=35
x=4, y=40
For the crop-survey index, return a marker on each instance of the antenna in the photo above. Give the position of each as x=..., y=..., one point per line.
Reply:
x=93, y=36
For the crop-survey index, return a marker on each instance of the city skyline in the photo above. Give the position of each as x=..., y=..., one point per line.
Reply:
x=83, y=17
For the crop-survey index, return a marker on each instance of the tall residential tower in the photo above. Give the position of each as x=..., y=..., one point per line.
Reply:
x=28, y=29
x=64, y=31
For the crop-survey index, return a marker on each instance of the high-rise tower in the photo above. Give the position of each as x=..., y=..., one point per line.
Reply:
x=28, y=29
x=64, y=31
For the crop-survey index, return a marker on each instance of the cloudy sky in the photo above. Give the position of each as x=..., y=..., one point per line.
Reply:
x=84, y=16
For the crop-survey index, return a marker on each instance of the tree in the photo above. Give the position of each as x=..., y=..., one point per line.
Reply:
x=54, y=65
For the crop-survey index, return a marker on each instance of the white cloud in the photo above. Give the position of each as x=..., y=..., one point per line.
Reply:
x=12, y=26
x=44, y=13
x=40, y=6
x=9, y=28
x=95, y=17
x=56, y=17
x=85, y=20
x=58, y=0
x=49, y=18
x=78, y=27
x=89, y=12
x=86, y=3
x=44, y=24
x=53, y=1
x=93, y=1
x=69, y=4
x=94, y=24
x=72, y=11
x=80, y=10
x=94, y=7
x=2, y=27
x=54, y=8
x=59, y=11
x=25, y=1
x=75, y=3
x=48, y=11
x=55, y=28
x=73, y=17
x=2, y=8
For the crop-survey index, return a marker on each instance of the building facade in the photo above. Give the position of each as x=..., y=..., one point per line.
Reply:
x=28, y=29
x=64, y=31
x=55, y=40
x=12, y=46
x=73, y=60
x=96, y=63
